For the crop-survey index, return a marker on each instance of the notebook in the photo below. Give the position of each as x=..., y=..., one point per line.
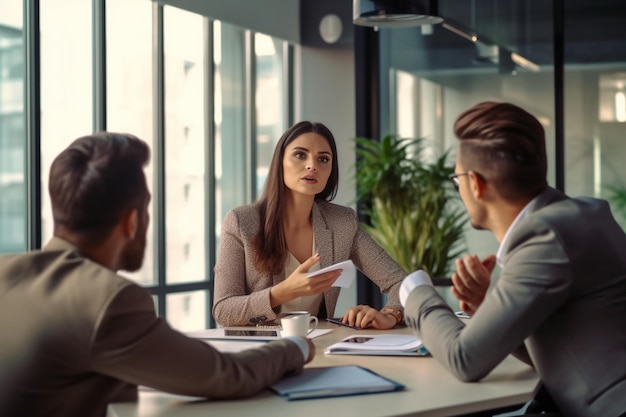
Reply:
x=378, y=344
x=334, y=381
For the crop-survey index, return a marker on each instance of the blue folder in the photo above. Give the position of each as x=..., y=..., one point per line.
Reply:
x=333, y=381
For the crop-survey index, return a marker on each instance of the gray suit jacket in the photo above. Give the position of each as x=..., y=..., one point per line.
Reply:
x=73, y=334
x=561, y=293
x=242, y=292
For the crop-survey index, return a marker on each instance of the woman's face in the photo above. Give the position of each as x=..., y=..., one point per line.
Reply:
x=307, y=164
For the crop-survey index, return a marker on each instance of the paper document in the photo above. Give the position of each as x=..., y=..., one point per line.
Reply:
x=346, y=277
x=333, y=381
x=378, y=344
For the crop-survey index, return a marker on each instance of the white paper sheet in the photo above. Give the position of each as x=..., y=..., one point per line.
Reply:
x=346, y=277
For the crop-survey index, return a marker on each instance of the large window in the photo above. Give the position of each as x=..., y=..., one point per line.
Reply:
x=12, y=134
x=232, y=168
x=187, y=85
x=66, y=85
x=184, y=165
x=129, y=91
x=270, y=105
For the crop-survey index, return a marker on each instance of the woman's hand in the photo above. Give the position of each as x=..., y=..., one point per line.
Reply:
x=298, y=285
x=363, y=316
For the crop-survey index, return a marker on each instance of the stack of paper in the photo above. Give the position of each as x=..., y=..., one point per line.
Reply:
x=333, y=381
x=378, y=344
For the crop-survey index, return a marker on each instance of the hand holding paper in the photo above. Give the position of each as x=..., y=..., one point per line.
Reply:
x=346, y=277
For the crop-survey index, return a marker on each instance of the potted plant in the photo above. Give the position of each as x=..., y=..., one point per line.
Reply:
x=409, y=203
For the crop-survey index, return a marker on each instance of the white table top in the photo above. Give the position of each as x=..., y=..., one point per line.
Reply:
x=430, y=391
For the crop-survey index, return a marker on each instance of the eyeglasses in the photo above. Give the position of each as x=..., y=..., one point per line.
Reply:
x=455, y=178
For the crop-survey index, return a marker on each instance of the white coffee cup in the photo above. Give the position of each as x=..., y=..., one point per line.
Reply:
x=298, y=325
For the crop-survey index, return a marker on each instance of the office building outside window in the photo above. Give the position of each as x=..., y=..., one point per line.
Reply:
x=66, y=85
x=12, y=134
x=185, y=156
x=159, y=86
x=129, y=93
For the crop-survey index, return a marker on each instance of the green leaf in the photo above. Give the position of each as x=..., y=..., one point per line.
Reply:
x=411, y=204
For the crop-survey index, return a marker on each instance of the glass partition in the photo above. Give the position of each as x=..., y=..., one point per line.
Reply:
x=505, y=51
x=595, y=103
x=433, y=73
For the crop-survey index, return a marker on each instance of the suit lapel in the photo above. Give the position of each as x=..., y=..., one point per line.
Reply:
x=323, y=238
x=325, y=242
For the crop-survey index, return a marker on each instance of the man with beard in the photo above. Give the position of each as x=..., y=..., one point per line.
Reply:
x=75, y=335
x=560, y=300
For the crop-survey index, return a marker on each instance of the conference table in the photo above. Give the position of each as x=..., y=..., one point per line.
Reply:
x=430, y=390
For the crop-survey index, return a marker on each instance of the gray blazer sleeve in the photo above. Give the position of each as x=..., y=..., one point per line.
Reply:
x=527, y=292
x=132, y=344
x=378, y=266
x=241, y=292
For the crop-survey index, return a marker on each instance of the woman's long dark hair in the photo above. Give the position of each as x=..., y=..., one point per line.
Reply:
x=270, y=244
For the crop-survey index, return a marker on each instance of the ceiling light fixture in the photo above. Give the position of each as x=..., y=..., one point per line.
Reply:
x=469, y=36
x=524, y=62
x=489, y=52
x=395, y=13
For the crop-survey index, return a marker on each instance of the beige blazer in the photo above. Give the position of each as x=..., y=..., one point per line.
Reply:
x=561, y=294
x=242, y=292
x=74, y=334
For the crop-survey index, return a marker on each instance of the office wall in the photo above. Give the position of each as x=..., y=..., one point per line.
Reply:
x=324, y=92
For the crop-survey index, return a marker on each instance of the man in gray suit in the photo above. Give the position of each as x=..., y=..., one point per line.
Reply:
x=75, y=335
x=560, y=301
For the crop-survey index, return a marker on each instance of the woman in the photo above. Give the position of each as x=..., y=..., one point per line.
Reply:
x=268, y=247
